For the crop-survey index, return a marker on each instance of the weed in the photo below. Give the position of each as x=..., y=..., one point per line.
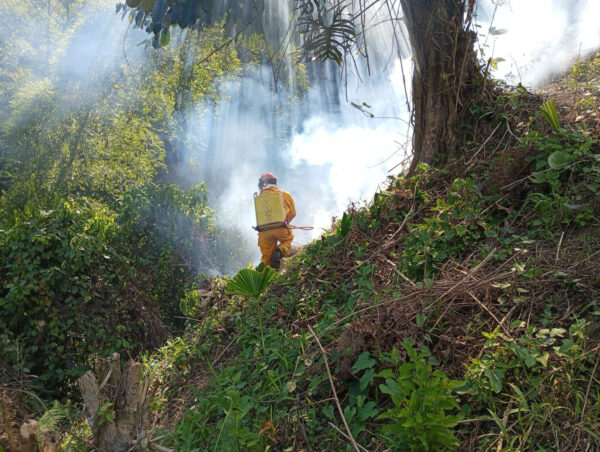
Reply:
x=422, y=398
x=519, y=379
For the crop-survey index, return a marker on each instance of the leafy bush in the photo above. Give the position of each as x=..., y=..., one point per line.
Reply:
x=422, y=398
x=58, y=268
x=78, y=279
x=524, y=379
x=455, y=223
x=568, y=171
x=169, y=231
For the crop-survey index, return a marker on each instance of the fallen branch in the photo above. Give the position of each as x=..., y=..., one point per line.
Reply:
x=486, y=309
x=399, y=273
x=216, y=360
x=473, y=271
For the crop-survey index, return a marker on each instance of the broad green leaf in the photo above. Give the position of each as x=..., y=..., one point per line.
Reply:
x=367, y=411
x=461, y=229
x=558, y=159
x=328, y=412
x=251, y=283
x=560, y=332
x=543, y=359
x=495, y=378
x=364, y=361
x=366, y=379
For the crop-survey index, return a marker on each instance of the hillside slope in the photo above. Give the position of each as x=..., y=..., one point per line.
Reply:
x=458, y=310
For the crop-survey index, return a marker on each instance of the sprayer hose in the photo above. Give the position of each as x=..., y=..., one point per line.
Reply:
x=303, y=228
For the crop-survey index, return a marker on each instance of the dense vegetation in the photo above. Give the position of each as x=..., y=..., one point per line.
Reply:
x=456, y=310
x=96, y=246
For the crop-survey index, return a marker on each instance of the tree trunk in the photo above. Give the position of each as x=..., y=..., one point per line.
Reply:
x=445, y=65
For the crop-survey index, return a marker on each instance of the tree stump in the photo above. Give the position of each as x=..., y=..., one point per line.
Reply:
x=118, y=408
x=28, y=437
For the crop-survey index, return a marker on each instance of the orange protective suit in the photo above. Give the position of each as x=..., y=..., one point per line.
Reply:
x=280, y=238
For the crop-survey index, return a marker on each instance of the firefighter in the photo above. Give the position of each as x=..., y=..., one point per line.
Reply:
x=276, y=243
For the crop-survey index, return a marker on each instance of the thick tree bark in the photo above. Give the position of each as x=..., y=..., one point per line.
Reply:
x=445, y=65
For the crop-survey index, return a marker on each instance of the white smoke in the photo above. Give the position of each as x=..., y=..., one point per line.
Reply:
x=325, y=159
x=326, y=152
x=355, y=150
x=541, y=39
x=333, y=147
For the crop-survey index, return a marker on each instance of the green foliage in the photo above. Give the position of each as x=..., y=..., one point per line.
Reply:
x=251, y=283
x=422, y=398
x=584, y=72
x=568, y=167
x=106, y=413
x=361, y=412
x=549, y=110
x=328, y=35
x=543, y=368
x=112, y=133
x=245, y=402
x=274, y=383
x=79, y=279
x=157, y=16
x=95, y=256
x=89, y=268
x=175, y=227
x=54, y=417
x=56, y=265
x=455, y=224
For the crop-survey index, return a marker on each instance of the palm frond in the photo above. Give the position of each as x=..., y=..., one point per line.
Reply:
x=251, y=283
x=327, y=41
x=55, y=416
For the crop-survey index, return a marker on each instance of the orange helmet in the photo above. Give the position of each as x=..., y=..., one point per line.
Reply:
x=266, y=179
x=268, y=175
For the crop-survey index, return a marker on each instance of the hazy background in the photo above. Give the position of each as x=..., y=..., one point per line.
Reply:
x=326, y=152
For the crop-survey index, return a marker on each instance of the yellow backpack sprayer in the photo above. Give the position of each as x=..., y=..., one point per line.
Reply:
x=270, y=212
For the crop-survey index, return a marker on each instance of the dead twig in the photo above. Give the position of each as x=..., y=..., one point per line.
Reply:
x=472, y=272
x=484, y=143
x=587, y=392
x=159, y=448
x=216, y=360
x=337, y=400
x=336, y=428
x=410, y=214
x=558, y=247
x=395, y=268
x=486, y=309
